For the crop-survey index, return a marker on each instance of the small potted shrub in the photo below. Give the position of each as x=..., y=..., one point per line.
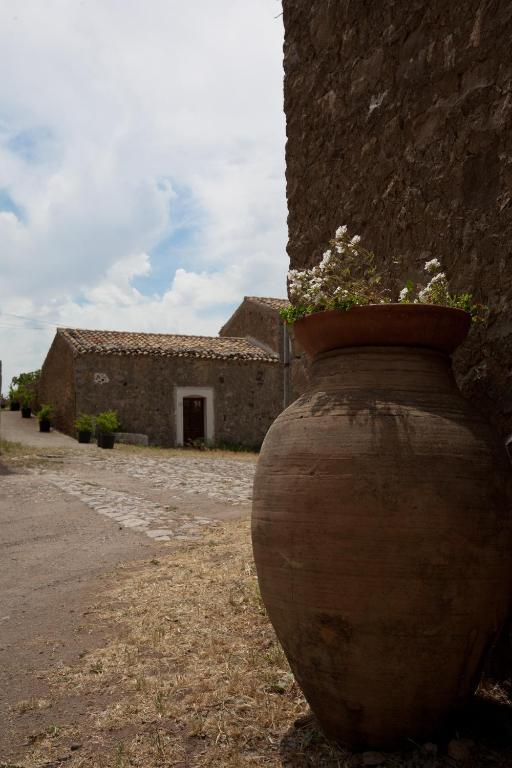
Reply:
x=25, y=398
x=14, y=400
x=45, y=415
x=84, y=425
x=106, y=424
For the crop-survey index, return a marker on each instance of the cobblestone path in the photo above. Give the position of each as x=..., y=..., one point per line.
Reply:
x=224, y=481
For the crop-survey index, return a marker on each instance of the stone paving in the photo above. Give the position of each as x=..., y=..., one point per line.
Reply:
x=164, y=496
x=224, y=481
x=157, y=522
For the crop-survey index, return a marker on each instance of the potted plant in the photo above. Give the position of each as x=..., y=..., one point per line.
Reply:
x=45, y=415
x=25, y=398
x=23, y=390
x=381, y=517
x=14, y=402
x=84, y=425
x=107, y=423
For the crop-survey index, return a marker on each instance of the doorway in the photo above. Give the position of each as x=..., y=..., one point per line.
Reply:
x=193, y=419
x=184, y=412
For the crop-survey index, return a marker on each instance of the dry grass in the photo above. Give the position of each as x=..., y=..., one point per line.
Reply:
x=19, y=456
x=155, y=452
x=10, y=450
x=193, y=676
x=19, y=451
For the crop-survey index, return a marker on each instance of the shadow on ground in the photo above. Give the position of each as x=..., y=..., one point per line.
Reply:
x=482, y=733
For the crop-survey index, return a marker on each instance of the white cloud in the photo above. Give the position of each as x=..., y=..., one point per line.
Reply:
x=114, y=113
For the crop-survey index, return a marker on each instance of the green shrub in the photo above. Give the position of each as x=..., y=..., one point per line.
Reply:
x=84, y=423
x=45, y=413
x=13, y=394
x=24, y=388
x=107, y=422
x=25, y=396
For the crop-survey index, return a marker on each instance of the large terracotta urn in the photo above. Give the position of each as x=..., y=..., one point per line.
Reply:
x=382, y=526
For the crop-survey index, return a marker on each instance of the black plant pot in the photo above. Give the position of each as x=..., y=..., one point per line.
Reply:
x=26, y=412
x=84, y=436
x=14, y=405
x=106, y=440
x=44, y=425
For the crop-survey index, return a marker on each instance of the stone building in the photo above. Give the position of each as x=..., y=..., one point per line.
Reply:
x=399, y=124
x=258, y=318
x=175, y=389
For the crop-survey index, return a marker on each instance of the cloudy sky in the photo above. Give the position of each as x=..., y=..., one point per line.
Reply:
x=141, y=166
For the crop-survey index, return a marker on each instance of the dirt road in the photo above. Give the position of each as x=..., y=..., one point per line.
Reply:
x=69, y=517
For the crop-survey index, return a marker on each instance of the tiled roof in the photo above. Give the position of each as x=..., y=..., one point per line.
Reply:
x=164, y=345
x=270, y=302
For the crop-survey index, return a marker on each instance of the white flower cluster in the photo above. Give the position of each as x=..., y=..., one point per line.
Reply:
x=322, y=285
x=433, y=292
x=346, y=277
x=432, y=265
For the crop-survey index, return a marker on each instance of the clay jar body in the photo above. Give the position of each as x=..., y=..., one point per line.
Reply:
x=381, y=532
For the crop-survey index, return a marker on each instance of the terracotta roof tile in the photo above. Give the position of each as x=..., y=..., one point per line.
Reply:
x=164, y=345
x=269, y=301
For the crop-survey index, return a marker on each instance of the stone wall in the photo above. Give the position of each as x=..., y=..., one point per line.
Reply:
x=258, y=322
x=399, y=125
x=57, y=385
x=262, y=323
x=247, y=394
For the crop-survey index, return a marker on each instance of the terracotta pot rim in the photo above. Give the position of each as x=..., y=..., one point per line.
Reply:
x=432, y=308
x=431, y=326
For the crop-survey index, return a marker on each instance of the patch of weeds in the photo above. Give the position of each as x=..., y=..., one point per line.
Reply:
x=246, y=596
x=160, y=701
x=159, y=633
x=10, y=765
x=29, y=705
x=280, y=682
x=12, y=449
x=275, y=657
x=96, y=668
x=237, y=447
x=121, y=758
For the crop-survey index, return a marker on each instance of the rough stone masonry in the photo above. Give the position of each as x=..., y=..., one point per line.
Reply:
x=399, y=125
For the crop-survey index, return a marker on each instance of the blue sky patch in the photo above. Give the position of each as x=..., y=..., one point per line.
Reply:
x=8, y=204
x=177, y=249
x=31, y=144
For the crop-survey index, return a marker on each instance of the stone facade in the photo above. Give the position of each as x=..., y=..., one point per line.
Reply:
x=399, y=125
x=144, y=377
x=246, y=394
x=57, y=384
x=258, y=318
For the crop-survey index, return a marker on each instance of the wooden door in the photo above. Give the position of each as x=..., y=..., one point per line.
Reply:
x=193, y=419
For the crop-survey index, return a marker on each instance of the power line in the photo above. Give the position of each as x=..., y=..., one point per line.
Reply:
x=23, y=327
x=30, y=319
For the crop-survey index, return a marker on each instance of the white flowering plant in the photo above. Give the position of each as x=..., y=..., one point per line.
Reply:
x=347, y=277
